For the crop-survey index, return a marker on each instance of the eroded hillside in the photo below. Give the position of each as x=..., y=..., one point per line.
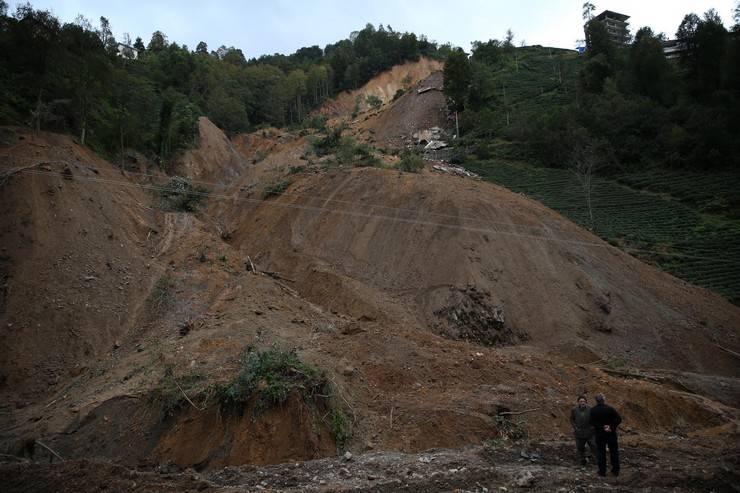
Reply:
x=432, y=306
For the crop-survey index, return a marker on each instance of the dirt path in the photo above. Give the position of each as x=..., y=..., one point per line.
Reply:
x=524, y=467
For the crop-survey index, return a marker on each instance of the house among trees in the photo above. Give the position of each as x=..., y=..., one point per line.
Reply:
x=126, y=51
x=616, y=25
x=673, y=48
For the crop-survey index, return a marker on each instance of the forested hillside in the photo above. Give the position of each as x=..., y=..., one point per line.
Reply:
x=640, y=149
x=70, y=78
x=628, y=105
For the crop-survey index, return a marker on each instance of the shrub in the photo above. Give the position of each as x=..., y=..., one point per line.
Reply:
x=411, y=162
x=317, y=122
x=178, y=195
x=350, y=153
x=273, y=375
x=398, y=94
x=275, y=189
x=327, y=144
x=373, y=101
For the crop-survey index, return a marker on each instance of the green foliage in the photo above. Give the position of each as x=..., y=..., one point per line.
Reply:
x=398, y=94
x=411, y=162
x=178, y=195
x=272, y=376
x=275, y=189
x=373, y=101
x=69, y=78
x=327, y=144
x=349, y=153
x=339, y=427
x=457, y=76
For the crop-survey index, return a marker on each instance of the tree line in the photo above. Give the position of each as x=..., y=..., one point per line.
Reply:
x=77, y=78
x=633, y=107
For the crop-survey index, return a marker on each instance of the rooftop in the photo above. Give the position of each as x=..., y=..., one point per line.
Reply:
x=611, y=15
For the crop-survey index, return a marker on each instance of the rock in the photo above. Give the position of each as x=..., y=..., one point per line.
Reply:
x=525, y=479
x=348, y=455
x=345, y=472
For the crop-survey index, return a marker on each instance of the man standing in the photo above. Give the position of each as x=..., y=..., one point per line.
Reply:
x=580, y=420
x=605, y=420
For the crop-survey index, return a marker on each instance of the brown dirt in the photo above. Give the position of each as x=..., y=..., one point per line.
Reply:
x=432, y=302
x=384, y=86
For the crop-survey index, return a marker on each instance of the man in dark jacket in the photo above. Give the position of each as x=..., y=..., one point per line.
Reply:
x=580, y=420
x=605, y=420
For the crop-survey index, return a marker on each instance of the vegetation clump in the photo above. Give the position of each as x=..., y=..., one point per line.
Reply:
x=275, y=189
x=349, y=153
x=328, y=143
x=179, y=195
x=160, y=296
x=411, y=162
x=272, y=376
x=373, y=101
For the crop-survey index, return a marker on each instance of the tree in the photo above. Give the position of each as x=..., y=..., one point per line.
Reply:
x=158, y=42
x=650, y=69
x=509, y=39
x=456, y=82
x=586, y=160
x=139, y=45
x=202, y=48
x=588, y=11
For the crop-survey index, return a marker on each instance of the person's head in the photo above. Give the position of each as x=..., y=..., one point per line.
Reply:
x=600, y=398
x=582, y=402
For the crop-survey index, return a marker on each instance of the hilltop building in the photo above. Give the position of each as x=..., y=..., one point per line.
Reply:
x=126, y=51
x=616, y=25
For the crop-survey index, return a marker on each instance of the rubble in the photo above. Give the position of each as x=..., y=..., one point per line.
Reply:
x=451, y=169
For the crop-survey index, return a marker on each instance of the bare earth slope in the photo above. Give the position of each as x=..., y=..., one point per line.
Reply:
x=435, y=305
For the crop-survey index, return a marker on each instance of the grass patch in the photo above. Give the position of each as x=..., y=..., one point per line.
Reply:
x=327, y=144
x=275, y=189
x=273, y=375
x=160, y=297
x=349, y=153
x=411, y=162
x=179, y=195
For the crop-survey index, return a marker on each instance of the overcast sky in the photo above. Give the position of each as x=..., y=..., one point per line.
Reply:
x=282, y=26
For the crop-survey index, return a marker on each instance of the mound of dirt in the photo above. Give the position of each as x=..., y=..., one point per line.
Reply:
x=214, y=160
x=75, y=267
x=384, y=86
x=435, y=305
x=421, y=108
x=390, y=246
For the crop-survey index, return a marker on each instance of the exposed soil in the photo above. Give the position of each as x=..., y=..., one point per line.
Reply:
x=433, y=302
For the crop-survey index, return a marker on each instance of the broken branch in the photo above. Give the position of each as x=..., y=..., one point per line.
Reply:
x=50, y=450
x=515, y=413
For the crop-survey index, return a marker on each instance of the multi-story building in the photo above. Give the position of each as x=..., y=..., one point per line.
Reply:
x=616, y=25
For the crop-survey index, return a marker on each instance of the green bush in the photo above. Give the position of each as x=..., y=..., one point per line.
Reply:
x=373, y=101
x=411, y=162
x=327, y=144
x=273, y=375
x=317, y=122
x=275, y=189
x=178, y=195
x=398, y=94
x=349, y=153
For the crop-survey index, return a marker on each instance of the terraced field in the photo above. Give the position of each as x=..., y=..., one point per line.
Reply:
x=693, y=245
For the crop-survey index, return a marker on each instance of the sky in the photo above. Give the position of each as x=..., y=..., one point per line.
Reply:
x=282, y=26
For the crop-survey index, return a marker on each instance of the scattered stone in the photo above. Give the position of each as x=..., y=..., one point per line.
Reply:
x=348, y=455
x=525, y=479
